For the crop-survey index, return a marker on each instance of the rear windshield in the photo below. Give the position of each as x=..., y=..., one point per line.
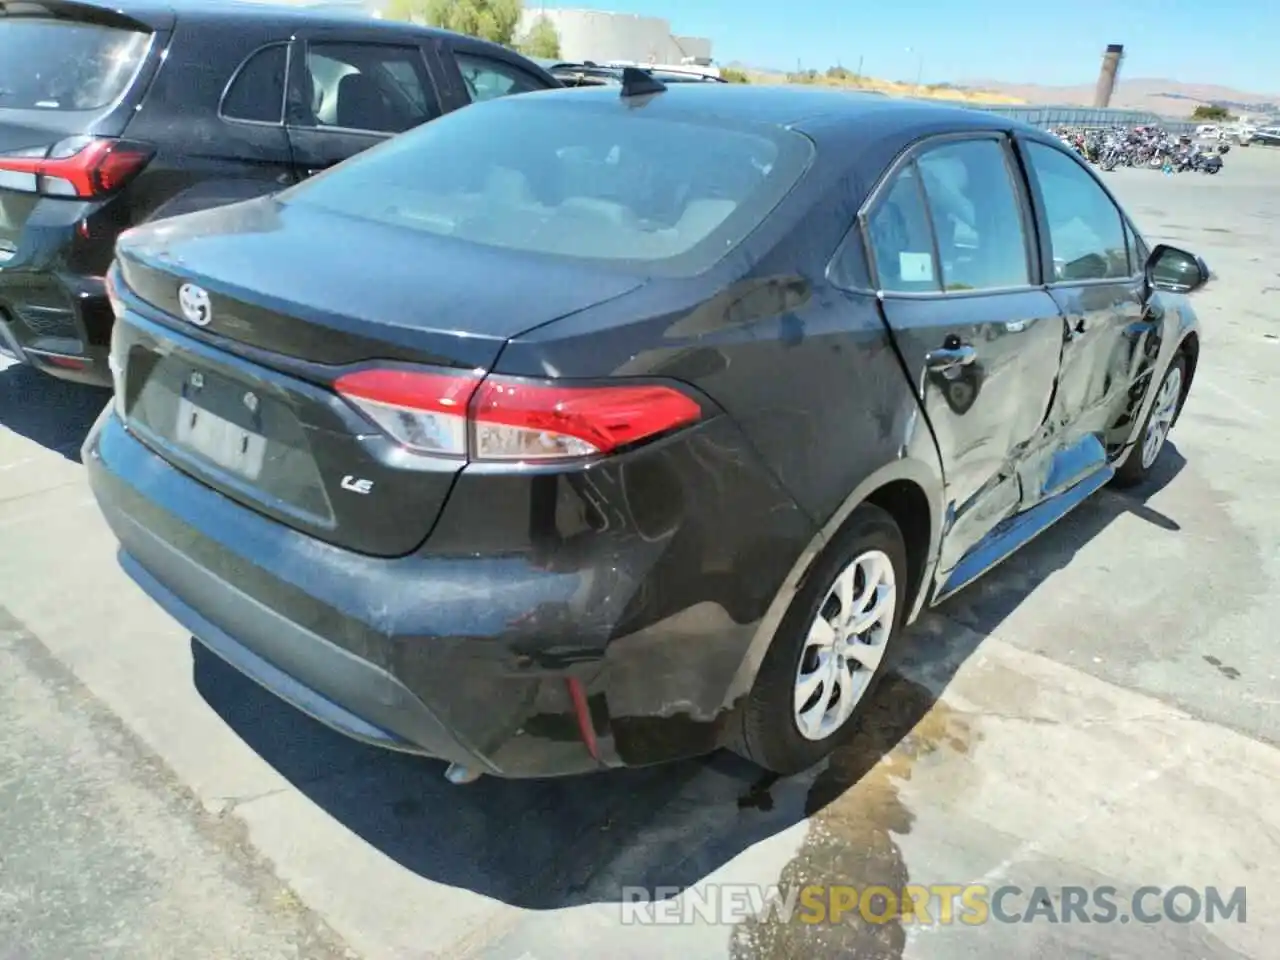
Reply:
x=584, y=180
x=64, y=65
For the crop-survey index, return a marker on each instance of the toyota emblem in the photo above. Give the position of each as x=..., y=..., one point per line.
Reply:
x=194, y=302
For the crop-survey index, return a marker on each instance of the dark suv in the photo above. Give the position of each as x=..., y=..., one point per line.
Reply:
x=114, y=114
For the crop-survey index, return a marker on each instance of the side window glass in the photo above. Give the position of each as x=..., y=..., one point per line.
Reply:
x=488, y=79
x=901, y=241
x=364, y=86
x=256, y=91
x=976, y=216
x=1086, y=231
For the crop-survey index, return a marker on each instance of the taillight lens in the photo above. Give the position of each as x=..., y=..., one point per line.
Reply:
x=426, y=412
x=498, y=418
x=83, y=167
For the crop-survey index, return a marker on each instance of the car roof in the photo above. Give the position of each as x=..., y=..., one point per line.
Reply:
x=821, y=114
x=159, y=14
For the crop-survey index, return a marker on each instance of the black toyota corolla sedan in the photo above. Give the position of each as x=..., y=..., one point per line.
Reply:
x=596, y=428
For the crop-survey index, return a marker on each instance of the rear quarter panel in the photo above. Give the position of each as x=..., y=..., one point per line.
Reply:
x=806, y=370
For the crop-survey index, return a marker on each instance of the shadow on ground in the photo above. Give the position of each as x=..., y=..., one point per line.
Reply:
x=549, y=844
x=54, y=413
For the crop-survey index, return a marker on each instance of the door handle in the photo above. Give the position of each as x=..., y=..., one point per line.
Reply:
x=948, y=358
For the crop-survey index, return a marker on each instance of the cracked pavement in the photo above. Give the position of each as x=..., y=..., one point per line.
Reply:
x=1101, y=710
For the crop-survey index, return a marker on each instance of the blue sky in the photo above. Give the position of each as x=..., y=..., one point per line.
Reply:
x=1228, y=42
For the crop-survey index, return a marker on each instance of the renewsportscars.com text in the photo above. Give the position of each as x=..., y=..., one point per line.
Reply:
x=968, y=904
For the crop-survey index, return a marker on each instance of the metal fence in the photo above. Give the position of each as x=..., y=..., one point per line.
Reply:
x=1088, y=117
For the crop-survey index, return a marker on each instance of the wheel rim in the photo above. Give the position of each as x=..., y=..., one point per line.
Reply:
x=1162, y=414
x=845, y=644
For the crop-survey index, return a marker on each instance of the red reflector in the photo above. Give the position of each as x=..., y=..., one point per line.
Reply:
x=504, y=419
x=67, y=363
x=81, y=166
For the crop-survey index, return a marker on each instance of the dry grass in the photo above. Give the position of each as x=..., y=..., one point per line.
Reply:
x=894, y=88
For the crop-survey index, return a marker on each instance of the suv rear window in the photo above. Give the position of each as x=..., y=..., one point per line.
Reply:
x=583, y=180
x=65, y=65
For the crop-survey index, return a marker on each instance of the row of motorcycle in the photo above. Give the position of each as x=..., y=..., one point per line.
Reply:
x=1149, y=147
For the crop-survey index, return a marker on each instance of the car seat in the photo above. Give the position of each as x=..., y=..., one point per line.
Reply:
x=361, y=105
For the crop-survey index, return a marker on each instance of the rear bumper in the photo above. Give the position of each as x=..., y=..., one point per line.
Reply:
x=625, y=650
x=52, y=296
x=59, y=323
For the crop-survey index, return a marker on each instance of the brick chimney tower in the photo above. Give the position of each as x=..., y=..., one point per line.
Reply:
x=1107, y=78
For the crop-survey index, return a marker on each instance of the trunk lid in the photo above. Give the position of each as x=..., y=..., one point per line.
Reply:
x=293, y=298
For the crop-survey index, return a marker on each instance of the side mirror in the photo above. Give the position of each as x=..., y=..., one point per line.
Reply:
x=1175, y=270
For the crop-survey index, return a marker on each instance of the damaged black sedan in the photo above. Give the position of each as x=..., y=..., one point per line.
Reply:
x=601, y=427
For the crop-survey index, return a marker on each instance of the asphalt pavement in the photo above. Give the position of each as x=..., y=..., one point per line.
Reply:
x=1102, y=711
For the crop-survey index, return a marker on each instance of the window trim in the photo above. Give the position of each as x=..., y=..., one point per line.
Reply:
x=908, y=157
x=284, y=91
x=457, y=52
x=1136, y=272
x=429, y=87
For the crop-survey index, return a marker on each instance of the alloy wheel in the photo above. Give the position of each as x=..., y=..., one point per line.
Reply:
x=1162, y=414
x=845, y=645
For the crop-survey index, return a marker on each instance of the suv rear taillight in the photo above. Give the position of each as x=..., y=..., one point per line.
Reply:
x=500, y=418
x=84, y=167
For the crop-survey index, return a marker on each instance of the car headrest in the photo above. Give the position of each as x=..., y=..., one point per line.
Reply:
x=362, y=106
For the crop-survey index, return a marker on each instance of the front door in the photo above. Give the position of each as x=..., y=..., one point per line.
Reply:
x=950, y=243
x=348, y=95
x=1098, y=282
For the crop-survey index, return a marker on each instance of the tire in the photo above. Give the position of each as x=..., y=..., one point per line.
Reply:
x=771, y=734
x=1137, y=466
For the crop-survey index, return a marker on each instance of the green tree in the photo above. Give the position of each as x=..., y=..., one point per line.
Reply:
x=494, y=20
x=1210, y=111
x=542, y=40
x=734, y=75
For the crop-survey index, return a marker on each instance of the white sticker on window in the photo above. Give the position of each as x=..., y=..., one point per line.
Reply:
x=916, y=267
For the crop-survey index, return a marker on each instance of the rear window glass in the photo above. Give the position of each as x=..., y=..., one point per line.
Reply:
x=63, y=65
x=588, y=181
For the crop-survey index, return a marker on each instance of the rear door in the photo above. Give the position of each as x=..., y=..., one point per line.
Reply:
x=347, y=95
x=253, y=108
x=950, y=238
x=65, y=71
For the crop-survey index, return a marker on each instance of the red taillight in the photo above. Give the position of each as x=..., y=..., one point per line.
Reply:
x=520, y=421
x=77, y=167
x=498, y=418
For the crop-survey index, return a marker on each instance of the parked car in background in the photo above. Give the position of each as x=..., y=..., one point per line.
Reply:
x=116, y=112
x=1267, y=136
x=1241, y=134
x=607, y=426
x=590, y=74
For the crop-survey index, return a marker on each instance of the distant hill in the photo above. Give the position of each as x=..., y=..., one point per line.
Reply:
x=842, y=78
x=1166, y=97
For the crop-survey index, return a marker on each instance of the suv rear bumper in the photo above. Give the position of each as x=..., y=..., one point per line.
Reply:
x=59, y=323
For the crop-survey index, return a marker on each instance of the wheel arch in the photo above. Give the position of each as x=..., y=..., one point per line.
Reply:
x=910, y=490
